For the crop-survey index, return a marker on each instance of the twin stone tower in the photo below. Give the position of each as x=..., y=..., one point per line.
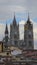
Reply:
x=27, y=43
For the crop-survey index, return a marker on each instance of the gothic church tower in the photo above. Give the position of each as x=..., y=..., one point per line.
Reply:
x=14, y=32
x=28, y=34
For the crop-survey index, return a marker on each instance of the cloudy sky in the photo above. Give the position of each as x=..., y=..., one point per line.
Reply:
x=21, y=9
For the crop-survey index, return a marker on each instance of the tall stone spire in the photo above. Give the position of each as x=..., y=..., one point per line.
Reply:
x=6, y=29
x=28, y=17
x=14, y=20
x=28, y=21
x=6, y=36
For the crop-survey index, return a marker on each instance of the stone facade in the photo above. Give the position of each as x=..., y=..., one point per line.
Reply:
x=14, y=32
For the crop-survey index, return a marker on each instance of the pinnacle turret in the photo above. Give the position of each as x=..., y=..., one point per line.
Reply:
x=6, y=30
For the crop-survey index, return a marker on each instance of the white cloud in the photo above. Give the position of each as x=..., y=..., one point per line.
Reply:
x=21, y=29
x=22, y=22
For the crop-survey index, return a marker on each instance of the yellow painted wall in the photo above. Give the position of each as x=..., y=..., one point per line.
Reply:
x=1, y=47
